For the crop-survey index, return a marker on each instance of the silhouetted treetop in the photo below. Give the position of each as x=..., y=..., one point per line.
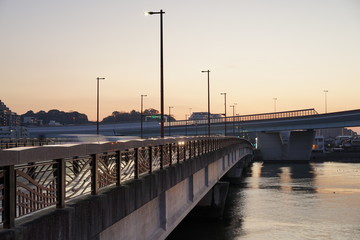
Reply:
x=58, y=116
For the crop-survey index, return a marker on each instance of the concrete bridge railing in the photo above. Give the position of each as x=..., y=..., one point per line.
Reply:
x=80, y=191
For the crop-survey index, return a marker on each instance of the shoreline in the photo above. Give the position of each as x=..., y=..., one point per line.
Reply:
x=350, y=157
x=353, y=157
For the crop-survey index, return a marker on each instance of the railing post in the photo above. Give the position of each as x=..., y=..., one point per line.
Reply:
x=118, y=167
x=60, y=188
x=136, y=163
x=10, y=197
x=185, y=150
x=195, y=149
x=94, y=174
x=178, y=153
x=196, y=146
x=170, y=153
x=161, y=156
x=150, y=159
x=190, y=152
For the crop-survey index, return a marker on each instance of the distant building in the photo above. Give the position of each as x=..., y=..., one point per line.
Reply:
x=54, y=123
x=334, y=132
x=8, y=118
x=32, y=121
x=203, y=116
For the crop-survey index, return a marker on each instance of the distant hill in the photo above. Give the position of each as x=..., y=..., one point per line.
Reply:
x=73, y=117
x=58, y=116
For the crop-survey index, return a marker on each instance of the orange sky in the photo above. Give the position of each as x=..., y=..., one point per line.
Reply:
x=256, y=50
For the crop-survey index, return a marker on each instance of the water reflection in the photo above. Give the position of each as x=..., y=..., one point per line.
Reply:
x=285, y=177
x=288, y=201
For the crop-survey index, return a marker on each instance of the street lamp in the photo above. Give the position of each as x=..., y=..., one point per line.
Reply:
x=274, y=104
x=170, y=120
x=225, y=110
x=97, y=105
x=208, y=78
x=141, y=115
x=233, y=118
x=326, y=91
x=161, y=72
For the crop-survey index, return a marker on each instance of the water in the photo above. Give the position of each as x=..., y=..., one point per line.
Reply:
x=287, y=201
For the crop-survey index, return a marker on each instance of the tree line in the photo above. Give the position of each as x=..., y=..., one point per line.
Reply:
x=73, y=117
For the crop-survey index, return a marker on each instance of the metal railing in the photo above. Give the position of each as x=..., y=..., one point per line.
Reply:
x=245, y=118
x=29, y=187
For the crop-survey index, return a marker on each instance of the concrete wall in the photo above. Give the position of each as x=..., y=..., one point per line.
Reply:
x=286, y=146
x=147, y=208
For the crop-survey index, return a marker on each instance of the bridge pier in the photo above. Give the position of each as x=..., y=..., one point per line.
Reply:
x=213, y=203
x=286, y=146
x=211, y=206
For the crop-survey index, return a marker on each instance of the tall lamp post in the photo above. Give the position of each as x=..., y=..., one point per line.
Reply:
x=326, y=91
x=274, y=104
x=225, y=110
x=208, y=80
x=170, y=120
x=142, y=115
x=161, y=72
x=97, y=104
x=233, y=118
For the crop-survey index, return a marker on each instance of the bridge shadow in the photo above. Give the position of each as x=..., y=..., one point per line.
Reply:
x=229, y=227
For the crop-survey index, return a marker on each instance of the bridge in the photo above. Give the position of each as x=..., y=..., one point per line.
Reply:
x=284, y=135
x=106, y=190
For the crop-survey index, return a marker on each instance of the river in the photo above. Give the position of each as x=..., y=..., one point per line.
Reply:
x=286, y=201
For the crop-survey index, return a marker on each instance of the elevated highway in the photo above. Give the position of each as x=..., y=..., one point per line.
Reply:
x=284, y=135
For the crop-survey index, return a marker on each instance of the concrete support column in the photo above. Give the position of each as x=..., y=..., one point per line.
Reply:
x=300, y=145
x=236, y=171
x=213, y=203
x=286, y=146
x=270, y=145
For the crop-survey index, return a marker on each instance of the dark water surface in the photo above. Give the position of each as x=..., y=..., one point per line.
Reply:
x=287, y=201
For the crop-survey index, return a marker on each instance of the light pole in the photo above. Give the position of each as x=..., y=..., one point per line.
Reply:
x=170, y=120
x=225, y=109
x=274, y=104
x=208, y=80
x=233, y=118
x=161, y=72
x=97, y=105
x=326, y=91
x=141, y=115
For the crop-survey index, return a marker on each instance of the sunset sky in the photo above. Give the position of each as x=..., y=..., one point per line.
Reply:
x=52, y=51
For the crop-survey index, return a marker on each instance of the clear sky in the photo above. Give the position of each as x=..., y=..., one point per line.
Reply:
x=52, y=51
